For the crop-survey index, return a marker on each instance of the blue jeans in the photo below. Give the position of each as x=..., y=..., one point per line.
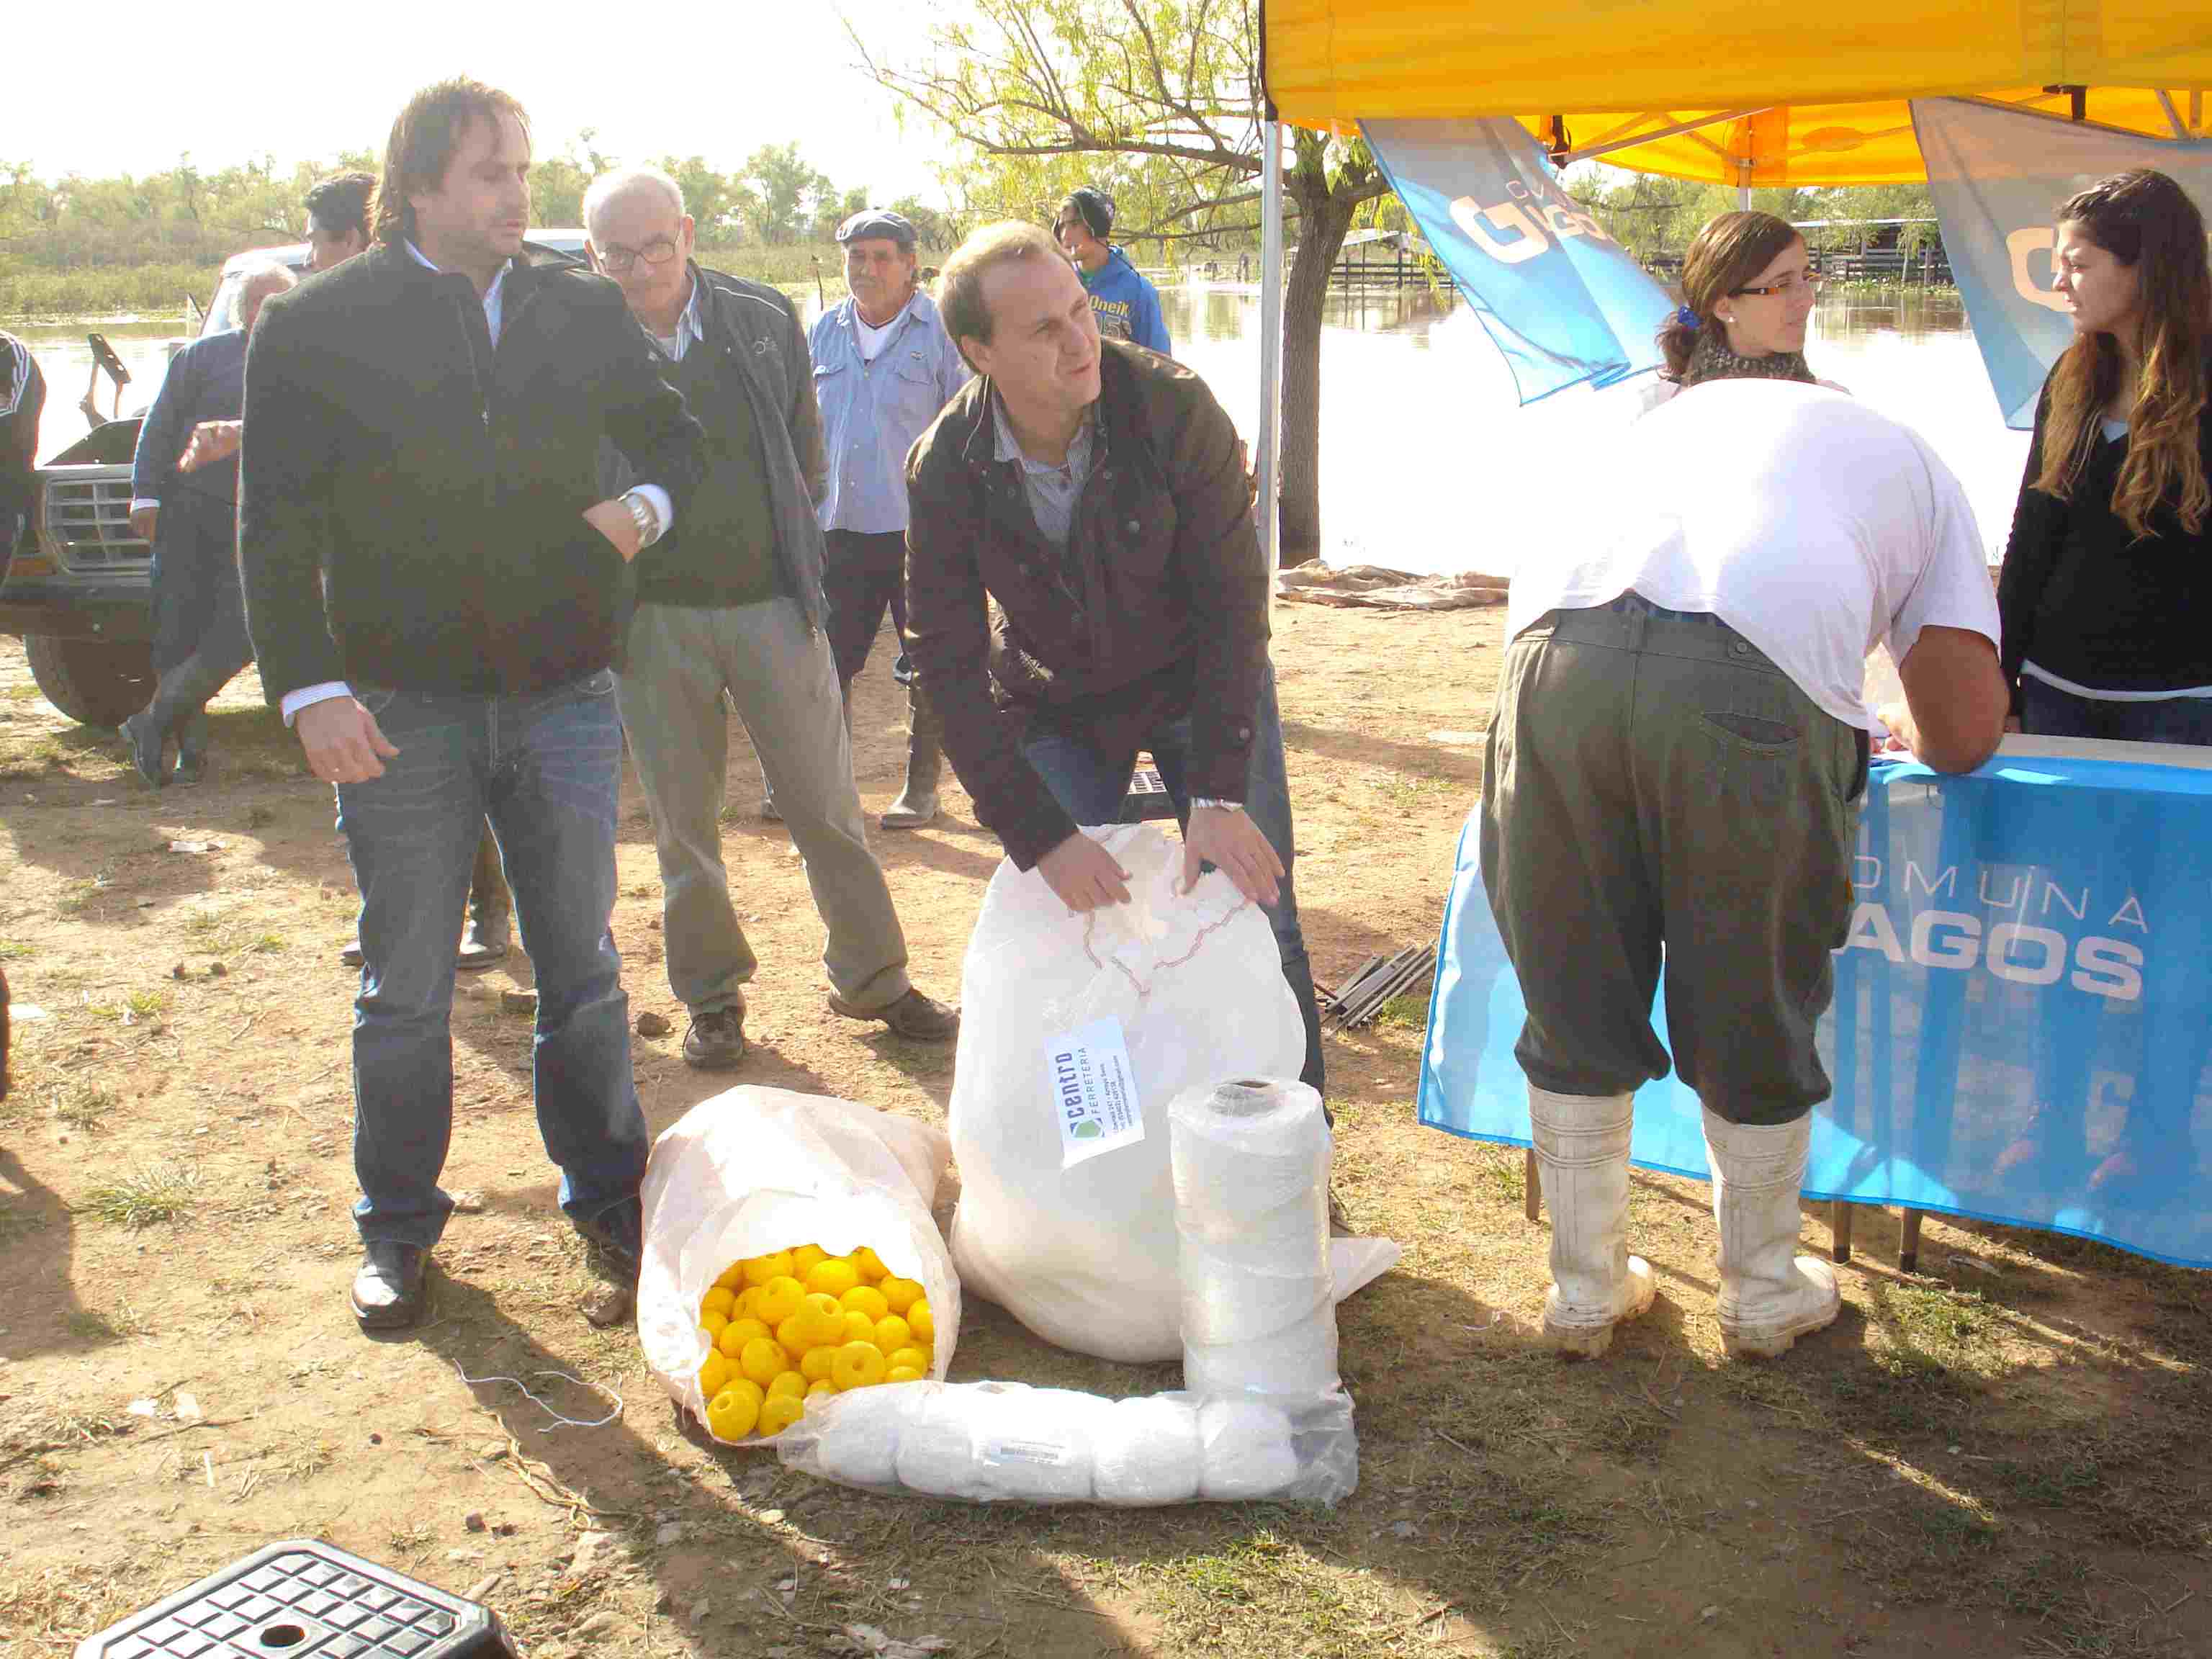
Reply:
x=546, y=770
x=200, y=643
x=1089, y=785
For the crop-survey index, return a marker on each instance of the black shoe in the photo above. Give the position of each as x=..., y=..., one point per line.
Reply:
x=614, y=1241
x=192, y=767
x=146, y=745
x=716, y=1040
x=914, y=1016
x=387, y=1291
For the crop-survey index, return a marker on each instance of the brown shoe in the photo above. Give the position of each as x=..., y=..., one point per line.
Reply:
x=914, y=1016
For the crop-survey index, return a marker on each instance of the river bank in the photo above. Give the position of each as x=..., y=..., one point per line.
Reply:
x=34, y=296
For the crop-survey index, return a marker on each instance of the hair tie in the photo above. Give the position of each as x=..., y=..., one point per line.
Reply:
x=1686, y=318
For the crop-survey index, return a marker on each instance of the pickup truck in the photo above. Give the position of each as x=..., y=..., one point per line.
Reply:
x=80, y=587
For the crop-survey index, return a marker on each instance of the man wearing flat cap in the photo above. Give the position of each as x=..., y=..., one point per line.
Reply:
x=883, y=368
x=1126, y=304
x=729, y=604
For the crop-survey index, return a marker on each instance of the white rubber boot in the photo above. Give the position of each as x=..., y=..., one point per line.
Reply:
x=1769, y=1295
x=1581, y=1144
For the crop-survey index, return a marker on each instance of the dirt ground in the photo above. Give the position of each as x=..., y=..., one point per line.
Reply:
x=2007, y=1453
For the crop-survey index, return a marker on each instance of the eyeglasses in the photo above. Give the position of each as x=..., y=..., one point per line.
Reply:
x=615, y=260
x=1808, y=281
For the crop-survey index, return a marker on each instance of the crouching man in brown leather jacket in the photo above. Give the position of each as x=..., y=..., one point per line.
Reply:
x=1093, y=489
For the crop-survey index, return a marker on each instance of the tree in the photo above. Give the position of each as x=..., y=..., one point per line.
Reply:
x=786, y=192
x=1158, y=101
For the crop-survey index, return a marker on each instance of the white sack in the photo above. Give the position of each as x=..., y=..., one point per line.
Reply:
x=756, y=1171
x=1087, y=1256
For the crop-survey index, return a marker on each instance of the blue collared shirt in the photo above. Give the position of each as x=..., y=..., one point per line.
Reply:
x=873, y=411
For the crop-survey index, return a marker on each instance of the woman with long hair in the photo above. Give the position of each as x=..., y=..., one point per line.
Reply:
x=2106, y=592
x=2106, y=601
x=1748, y=291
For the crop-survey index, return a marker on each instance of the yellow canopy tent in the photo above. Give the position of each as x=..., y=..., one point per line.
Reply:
x=1776, y=94
x=1758, y=94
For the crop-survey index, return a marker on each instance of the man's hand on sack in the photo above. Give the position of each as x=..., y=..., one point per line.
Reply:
x=343, y=741
x=211, y=442
x=1083, y=874
x=612, y=520
x=1232, y=844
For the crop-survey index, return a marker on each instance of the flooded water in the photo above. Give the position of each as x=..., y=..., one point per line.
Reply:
x=1427, y=462
x=1430, y=463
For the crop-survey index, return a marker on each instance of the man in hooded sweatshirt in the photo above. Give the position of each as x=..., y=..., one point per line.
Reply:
x=1128, y=306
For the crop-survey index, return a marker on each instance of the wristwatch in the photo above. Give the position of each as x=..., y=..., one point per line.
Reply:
x=1197, y=801
x=643, y=514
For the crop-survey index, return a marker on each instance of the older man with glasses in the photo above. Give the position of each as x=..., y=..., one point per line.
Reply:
x=731, y=603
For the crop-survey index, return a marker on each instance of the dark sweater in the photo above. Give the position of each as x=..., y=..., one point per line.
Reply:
x=723, y=552
x=2081, y=598
x=410, y=499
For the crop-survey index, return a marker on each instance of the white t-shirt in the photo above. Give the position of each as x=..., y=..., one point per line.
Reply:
x=1809, y=523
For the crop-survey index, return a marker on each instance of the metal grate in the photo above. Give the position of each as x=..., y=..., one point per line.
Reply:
x=304, y=1599
x=88, y=526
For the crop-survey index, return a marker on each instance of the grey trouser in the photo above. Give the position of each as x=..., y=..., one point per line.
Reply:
x=783, y=684
x=1653, y=781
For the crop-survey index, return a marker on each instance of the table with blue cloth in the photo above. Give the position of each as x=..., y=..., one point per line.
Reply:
x=2023, y=1007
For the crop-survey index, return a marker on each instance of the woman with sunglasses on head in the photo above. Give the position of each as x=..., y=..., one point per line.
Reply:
x=1748, y=286
x=2106, y=601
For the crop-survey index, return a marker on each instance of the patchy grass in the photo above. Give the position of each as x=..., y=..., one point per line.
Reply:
x=144, y=1195
x=13, y=950
x=1409, y=1013
x=85, y=1106
x=77, y=896
x=148, y=1005
x=91, y=1325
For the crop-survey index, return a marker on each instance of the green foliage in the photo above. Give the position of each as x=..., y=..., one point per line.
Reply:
x=1653, y=216
x=109, y=246
x=1154, y=101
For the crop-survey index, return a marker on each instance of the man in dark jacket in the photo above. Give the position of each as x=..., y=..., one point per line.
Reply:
x=431, y=579
x=731, y=605
x=191, y=516
x=1093, y=490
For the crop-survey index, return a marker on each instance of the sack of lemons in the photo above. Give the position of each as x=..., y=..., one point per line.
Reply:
x=801, y=1324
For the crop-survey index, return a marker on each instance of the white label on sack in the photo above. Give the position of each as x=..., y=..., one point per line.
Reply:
x=1094, y=1093
x=1045, y=1454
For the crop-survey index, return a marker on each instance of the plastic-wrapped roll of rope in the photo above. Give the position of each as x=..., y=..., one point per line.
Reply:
x=1251, y=1160
x=997, y=1442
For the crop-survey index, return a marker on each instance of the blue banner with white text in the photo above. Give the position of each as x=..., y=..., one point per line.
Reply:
x=2022, y=1018
x=1998, y=176
x=1563, y=301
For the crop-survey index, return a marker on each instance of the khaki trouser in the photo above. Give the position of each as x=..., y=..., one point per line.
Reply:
x=779, y=678
x=1653, y=781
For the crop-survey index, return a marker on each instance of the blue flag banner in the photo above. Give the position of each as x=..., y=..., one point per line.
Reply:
x=2023, y=1007
x=1997, y=176
x=1562, y=299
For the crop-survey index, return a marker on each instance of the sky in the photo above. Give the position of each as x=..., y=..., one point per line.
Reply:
x=230, y=83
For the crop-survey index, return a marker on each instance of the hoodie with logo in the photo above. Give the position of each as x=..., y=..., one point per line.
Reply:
x=1128, y=306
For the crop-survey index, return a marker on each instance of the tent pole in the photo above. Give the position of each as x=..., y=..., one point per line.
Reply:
x=1743, y=185
x=1271, y=336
